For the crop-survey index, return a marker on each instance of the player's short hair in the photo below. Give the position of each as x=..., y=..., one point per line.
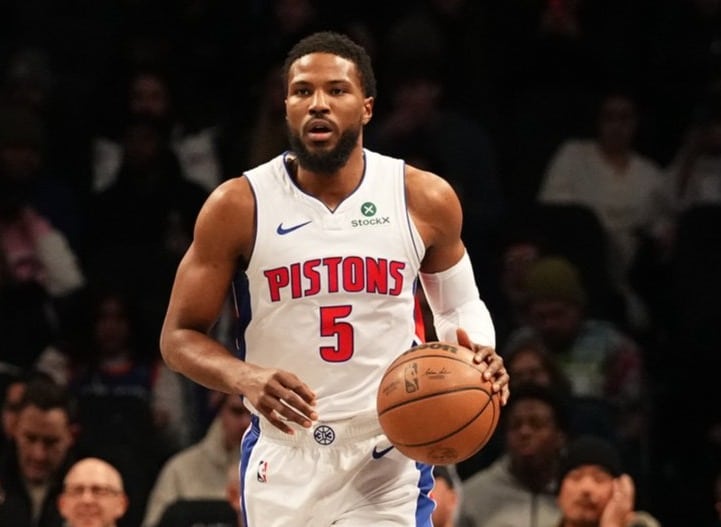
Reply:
x=335, y=44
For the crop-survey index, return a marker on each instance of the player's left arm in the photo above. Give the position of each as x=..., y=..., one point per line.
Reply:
x=459, y=314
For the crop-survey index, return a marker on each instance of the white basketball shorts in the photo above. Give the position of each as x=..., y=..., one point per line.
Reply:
x=340, y=473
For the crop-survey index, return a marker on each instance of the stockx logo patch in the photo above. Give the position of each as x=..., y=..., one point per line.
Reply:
x=369, y=210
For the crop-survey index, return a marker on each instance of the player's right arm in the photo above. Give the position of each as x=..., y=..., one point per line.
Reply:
x=447, y=274
x=223, y=238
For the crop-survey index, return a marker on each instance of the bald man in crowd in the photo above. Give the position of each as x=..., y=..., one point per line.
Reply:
x=93, y=495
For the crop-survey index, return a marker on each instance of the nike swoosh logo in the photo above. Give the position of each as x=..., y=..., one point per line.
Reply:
x=285, y=230
x=377, y=454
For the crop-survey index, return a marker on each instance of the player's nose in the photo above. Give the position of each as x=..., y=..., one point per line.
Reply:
x=319, y=102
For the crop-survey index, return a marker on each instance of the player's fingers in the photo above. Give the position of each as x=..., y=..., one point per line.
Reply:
x=489, y=358
x=288, y=381
x=275, y=418
x=304, y=393
x=489, y=362
x=298, y=403
x=495, y=371
x=502, y=385
x=280, y=413
x=292, y=414
x=505, y=394
x=482, y=353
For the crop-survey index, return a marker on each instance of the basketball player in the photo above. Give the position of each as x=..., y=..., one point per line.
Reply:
x=331, y=238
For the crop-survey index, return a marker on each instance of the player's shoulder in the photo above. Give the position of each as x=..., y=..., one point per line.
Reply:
x=232, y=197
x=427, y=189
x=231, y=190
x=275, y=165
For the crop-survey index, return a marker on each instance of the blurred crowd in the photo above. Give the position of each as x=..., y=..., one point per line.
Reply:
x=583, y=137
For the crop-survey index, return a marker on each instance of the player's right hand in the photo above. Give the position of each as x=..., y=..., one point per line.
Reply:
x=492, y=363
x=280, y=396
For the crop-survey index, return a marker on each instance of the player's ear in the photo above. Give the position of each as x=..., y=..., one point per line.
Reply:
x=368, y=109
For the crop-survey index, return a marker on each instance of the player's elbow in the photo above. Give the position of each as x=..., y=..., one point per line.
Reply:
x=169, y=346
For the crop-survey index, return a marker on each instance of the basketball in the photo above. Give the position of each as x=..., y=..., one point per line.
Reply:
x=434, y=405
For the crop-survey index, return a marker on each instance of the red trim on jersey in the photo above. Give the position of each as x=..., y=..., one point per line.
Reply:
x=420, y=324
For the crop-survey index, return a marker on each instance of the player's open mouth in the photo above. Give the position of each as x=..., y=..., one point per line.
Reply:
x=319, y=131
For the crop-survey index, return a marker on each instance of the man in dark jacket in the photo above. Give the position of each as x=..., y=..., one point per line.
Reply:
x=40, y=453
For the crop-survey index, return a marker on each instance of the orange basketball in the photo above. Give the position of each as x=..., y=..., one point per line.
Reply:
x=434, y=405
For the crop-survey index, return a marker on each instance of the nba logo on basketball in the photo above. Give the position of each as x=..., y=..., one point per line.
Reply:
x=411, y=377
x=263, y=472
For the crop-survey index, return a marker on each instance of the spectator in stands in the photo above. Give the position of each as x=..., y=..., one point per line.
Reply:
x=115, y=371
x=140, y=251
x=200, y=471
x=11, y=403
x=594, y=491
x=624, y=188
x=531, y=362
x=149, y=97
x=40, y=273
x=444, y=36
x=602, y=363
x=92, y=495
x=33, y=469
x=234, y=493
x=518, y=488
x=609, y=384
x=420, y=128
x=13, y=394
x=519, y=247
x=27, y=177
x=249, y=142
x=115, y=358
x=695, y=171
x=447, y=495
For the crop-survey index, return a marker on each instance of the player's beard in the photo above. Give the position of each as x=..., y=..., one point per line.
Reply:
x=329, y=161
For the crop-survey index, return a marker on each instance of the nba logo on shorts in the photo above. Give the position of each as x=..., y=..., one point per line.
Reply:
x=411, y=377
x=262, y=472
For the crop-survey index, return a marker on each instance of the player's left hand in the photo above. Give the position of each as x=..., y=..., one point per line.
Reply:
x=493, y=362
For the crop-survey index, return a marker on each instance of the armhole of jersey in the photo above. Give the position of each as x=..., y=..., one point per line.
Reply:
x=240, y=291
x=255, y=223
x=420, y=324
x=241, y=305
x=255, y=220
x=417, y=249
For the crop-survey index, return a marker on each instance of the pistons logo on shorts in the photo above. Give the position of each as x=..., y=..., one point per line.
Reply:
x=324, y=435
x=262, y=474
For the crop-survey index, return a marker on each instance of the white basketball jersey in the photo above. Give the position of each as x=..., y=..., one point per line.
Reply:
x=332, y=291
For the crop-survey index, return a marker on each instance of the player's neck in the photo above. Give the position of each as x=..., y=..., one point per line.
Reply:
x=333, y=188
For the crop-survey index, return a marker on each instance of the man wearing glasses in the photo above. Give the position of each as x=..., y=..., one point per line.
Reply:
x=93, y=495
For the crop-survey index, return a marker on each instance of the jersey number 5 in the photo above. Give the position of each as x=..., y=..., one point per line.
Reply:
x=331, y=325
